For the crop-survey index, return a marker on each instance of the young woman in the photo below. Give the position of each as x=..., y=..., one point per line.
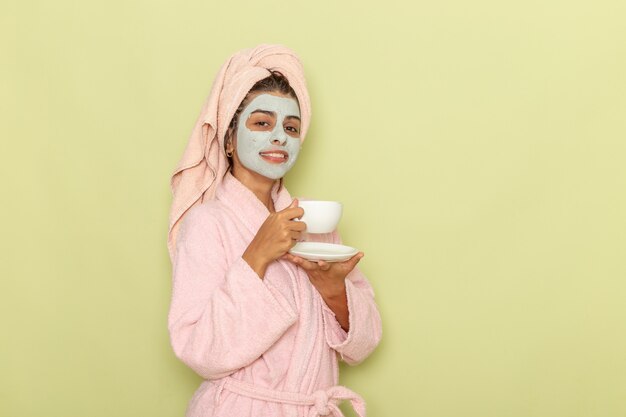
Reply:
x=263, y=327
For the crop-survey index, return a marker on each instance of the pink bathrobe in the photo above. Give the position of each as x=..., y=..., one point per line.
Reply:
x=267, y=348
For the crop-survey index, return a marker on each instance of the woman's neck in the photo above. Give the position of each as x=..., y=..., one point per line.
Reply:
x=258, y=184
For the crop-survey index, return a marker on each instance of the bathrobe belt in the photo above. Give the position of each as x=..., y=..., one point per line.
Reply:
x=322, y=402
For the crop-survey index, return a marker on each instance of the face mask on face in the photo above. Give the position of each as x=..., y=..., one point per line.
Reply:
x=271, y=152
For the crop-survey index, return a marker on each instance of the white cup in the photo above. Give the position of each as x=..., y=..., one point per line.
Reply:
x=320, y=216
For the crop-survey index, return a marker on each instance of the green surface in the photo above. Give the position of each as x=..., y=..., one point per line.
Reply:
x=478, y=149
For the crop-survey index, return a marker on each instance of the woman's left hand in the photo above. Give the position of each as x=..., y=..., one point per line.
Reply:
x=327, y=277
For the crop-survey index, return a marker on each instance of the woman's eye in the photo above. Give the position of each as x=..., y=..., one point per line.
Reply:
x=292, y=129
x=264, y=124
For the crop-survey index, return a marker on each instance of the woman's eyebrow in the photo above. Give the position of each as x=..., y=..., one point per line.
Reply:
x=273, y=114
x=269, y=113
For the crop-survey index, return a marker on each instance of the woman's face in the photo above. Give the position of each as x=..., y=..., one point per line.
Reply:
x=267, y=140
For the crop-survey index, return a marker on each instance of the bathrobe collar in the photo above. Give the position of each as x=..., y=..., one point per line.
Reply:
x=241, y=200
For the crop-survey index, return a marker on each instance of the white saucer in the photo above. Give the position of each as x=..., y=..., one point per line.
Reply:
x=320, y=251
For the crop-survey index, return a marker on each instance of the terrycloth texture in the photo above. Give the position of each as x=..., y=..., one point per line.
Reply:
x=277, y=333
x=204, y=161
x=321, y=402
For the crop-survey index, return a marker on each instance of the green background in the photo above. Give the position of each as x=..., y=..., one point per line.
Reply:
x=479, y=149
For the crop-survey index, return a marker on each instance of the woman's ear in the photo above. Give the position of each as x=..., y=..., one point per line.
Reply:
x=230, y=141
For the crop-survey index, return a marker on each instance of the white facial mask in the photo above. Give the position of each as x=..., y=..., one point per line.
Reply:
x=251, y=143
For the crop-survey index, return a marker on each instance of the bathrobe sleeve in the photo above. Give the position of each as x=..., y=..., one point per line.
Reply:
x=365, y=323
x=222, y=317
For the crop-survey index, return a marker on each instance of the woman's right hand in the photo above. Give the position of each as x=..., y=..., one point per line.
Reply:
x=275, y=237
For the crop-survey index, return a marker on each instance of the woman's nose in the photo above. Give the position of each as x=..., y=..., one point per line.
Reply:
x=279, y=138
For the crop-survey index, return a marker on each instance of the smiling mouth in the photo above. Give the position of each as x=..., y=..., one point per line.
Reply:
x=274, y=157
